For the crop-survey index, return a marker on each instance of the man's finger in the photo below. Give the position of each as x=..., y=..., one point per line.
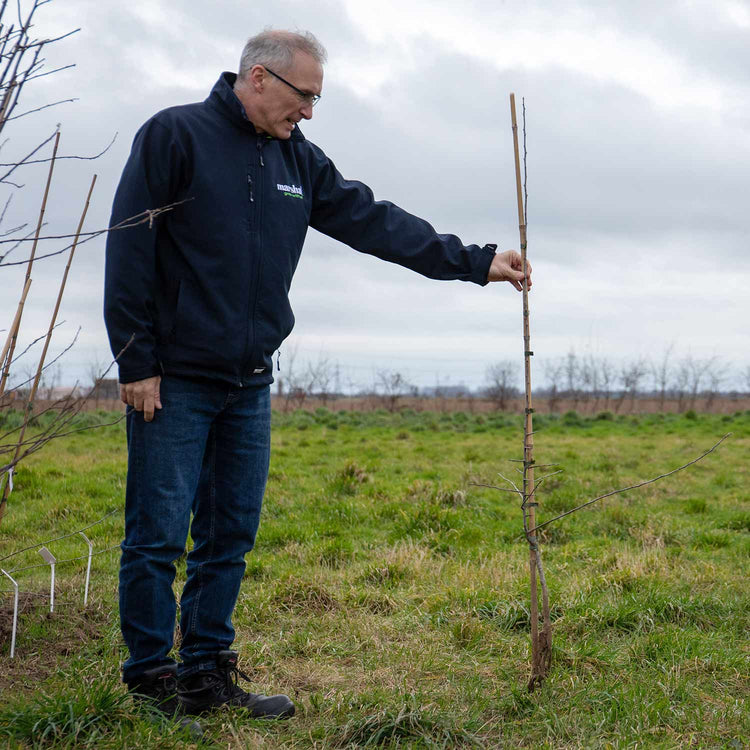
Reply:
x=123, y=394
x=137, y=400
x=157, y=394
x=148, y=407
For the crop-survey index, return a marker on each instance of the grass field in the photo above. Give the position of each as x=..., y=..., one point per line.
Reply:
x=388, y=595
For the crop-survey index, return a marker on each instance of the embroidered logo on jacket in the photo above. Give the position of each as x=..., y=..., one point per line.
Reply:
x=291, y=191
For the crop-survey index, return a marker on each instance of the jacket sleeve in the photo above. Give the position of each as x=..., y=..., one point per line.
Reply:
x=149, y=181
x=347, y=211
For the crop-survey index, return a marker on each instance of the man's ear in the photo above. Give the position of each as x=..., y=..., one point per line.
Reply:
x=256, y=78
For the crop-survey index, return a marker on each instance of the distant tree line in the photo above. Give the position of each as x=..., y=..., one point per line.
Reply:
x=586, y=383
x=670, y=383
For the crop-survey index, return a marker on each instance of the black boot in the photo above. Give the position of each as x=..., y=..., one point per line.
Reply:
x=156, y=689
x=213, y=688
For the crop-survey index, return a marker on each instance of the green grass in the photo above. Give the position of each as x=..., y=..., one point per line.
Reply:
x=388, y=594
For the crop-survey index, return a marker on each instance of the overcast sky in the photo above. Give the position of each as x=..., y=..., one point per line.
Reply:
x=638, y=131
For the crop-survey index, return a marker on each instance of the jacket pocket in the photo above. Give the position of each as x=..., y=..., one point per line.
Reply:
x=166, y=314
x=203, y=333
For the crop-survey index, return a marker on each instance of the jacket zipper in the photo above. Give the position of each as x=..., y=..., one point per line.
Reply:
x=259, y=145
x=252, y=223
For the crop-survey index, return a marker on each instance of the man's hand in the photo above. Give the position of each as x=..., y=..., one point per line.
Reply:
x=507, y=267
x=142, y=395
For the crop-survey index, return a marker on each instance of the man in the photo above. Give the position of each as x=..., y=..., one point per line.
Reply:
x=202, y=296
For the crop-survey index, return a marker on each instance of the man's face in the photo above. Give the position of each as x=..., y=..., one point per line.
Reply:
x=280, y=107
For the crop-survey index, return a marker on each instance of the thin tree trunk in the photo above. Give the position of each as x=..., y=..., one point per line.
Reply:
x=541, y=642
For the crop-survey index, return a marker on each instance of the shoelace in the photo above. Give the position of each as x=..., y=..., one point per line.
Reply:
x=232, y=675
x=167, y=684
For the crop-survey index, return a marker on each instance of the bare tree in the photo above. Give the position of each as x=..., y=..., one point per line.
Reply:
x=391, y=386
x=21, y=62
x=690, y=375
x=681, y=375
x=606, y=378
x=320, y=378
x=470, y=400
x=297, y=382
x=589, y=376
x=631, y=375
x=695, y=372
x=572, y=372
x=661, y=374
x=715, y=374
x=501, y=379
x=553, y=373
x=440, y=394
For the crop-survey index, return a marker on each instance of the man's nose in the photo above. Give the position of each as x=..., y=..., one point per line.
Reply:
x=306, y=110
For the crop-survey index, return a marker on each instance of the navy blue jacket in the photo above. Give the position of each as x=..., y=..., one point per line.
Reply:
x=204, y=288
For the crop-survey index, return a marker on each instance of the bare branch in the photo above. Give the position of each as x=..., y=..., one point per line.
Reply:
x=38, y=109
x=50, y=72
x=511, y=483
x=552, y=474
x=58, y=538
x=493, y=487
x=13, y=229
x=51, y=40
x=35, y=341
x=69, y=412
x=7, y=203
x=54, y=406
x=145, y=217
x=633, y=487
x=57, y=158
x=18, y=242
x=15, y=165
x=49, y=364
x=39, y=444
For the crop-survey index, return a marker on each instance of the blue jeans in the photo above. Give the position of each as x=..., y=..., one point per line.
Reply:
x=206, y=451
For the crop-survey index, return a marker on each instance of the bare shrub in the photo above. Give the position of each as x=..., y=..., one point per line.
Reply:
x=501, y=379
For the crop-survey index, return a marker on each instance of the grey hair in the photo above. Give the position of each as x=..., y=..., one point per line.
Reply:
x=276, y=48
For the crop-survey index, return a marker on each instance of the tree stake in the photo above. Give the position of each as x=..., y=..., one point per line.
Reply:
x=541, y=641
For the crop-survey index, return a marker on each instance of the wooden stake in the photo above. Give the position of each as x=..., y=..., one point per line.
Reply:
x=540, y=642
x=32, y=393
x=14, y=333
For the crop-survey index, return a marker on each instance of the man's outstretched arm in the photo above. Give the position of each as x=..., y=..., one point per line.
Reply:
x=347, y=211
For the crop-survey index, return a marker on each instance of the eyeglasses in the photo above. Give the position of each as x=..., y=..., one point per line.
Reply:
x=305, y=96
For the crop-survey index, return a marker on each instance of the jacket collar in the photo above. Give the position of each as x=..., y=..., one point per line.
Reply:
x=223, y=98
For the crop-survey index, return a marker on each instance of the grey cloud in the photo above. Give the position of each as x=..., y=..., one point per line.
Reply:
x=601, y=157
x=697, y=33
